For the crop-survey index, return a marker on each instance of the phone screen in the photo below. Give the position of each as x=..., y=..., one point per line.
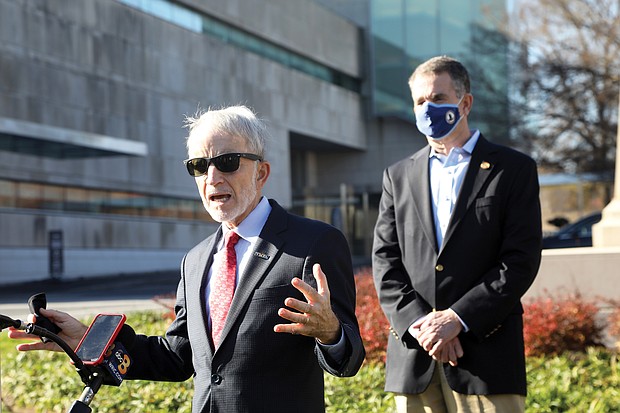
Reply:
x=99, y=336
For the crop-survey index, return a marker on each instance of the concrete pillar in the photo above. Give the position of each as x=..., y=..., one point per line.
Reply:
x=607, y=232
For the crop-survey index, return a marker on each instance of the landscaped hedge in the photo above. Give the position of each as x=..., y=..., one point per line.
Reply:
x=374, y=326
x=574, y=382
x=568, y=382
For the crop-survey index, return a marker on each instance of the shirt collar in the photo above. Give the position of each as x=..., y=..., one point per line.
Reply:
x=253, y=224
x=468, y=147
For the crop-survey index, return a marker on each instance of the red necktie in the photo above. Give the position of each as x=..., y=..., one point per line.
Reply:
x=223, y=279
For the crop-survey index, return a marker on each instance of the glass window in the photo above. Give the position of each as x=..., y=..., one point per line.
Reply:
x=187, y=209
x=53, y=197
x=162, y=207
x=98, y=199
x=159, y=8
x=405, y=33
x=77, y=200
x=423, y=29
x=61, y=198
x=8, y=194
x=120, y=203
x=29, y=195
x=387, y=21
x=186, y=18
x=215, y=29
x=389, y=58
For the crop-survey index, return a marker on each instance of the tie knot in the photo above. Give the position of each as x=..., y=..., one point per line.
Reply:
x=231, y=239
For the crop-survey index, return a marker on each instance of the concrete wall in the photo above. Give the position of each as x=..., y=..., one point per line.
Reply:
x=102, y=67
x=300, y=25
x=31, y=264
x=389, y=141
x=592, y=272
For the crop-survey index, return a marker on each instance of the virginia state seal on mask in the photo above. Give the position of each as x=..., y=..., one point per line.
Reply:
x=450, y=117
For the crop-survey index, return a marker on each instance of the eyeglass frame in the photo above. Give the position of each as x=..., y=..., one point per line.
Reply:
x=210, y=162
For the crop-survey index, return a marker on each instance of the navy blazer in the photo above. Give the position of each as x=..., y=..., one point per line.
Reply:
x=256, y=369
x=489, y=258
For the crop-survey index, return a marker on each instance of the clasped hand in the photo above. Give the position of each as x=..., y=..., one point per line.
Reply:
x=438, y=333
x=313, y=317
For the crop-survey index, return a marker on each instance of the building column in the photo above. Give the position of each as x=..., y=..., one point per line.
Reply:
x=607, y=232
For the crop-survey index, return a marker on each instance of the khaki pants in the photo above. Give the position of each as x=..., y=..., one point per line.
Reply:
x=440, y=398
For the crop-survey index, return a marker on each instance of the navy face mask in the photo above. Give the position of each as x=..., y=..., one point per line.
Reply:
x=437, y=121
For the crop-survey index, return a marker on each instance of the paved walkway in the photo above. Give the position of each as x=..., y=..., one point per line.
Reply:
x=84, y=297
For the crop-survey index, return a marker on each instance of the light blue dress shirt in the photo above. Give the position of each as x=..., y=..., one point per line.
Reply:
x=446, y=175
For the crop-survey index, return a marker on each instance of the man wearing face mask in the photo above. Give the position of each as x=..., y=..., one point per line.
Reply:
x=457, y=244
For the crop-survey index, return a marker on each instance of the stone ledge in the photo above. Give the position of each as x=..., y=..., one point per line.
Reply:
x=592, y=272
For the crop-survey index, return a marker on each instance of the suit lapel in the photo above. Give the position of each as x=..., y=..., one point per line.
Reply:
x=419, y=183
x=480, y=168
x=263, y=257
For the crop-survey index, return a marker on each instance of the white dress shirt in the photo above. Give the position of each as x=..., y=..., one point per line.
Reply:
x=249, y=229
x=446, y=175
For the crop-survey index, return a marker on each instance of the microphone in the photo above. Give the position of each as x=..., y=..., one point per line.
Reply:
x=117, y=359
x=35, y=303
x=105, y=345
x=111, y=365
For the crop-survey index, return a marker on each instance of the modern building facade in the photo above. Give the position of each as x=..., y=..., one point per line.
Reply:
x=93, y=95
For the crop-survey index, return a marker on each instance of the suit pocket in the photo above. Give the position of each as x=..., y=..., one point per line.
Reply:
x=485, y=209
x=262, y=311
x=275, y=292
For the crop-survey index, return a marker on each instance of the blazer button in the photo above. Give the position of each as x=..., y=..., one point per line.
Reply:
x=216, y=379
x=439, y=267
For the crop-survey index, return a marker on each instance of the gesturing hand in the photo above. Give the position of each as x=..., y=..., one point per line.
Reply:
x=314, y=317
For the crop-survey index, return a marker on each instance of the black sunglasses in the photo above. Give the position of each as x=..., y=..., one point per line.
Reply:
x=228, y=162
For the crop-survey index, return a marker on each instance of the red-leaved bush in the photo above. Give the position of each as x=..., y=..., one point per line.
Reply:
x=558, y=324
x=551, y=325
x=372, y=321
x=374, y=326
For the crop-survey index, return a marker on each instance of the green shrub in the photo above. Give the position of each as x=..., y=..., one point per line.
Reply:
x=49, y=382
x=574, y=383
x=362, y=393
x=567, y=383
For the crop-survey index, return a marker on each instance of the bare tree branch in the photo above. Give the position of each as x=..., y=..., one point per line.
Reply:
x=565, y=95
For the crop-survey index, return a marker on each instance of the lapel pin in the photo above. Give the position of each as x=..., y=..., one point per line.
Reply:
x=485, y=165
x=261, y=255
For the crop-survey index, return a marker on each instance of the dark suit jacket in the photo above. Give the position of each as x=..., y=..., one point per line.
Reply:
x=256, y=369
x=489, y=258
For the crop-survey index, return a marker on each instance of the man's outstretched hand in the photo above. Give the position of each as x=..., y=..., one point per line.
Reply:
x=71, y=331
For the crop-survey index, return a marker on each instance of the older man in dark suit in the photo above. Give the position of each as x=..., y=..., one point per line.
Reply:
x=457, y=243
x=263, y=347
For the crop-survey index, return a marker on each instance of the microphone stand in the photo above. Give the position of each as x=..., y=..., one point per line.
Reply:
x=81, y=405
x=92, y=377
